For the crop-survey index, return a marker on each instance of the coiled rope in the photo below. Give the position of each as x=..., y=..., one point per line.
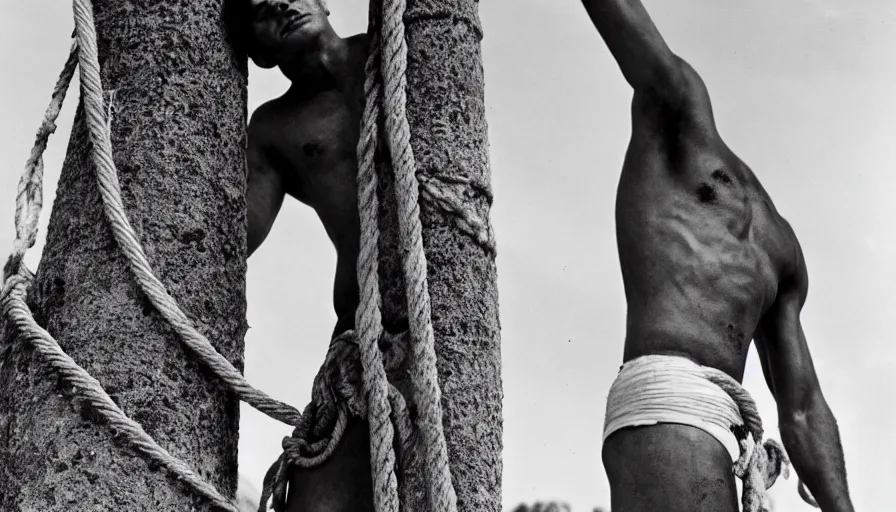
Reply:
x=760, y=463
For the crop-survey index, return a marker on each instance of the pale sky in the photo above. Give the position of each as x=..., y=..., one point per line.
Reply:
x=802, y=91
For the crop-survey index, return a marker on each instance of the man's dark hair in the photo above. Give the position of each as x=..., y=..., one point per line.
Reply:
x=238, y=20
x=238, y=16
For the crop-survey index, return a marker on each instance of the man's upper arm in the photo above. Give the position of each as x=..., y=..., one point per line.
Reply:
x=264, y=186
x=633, y=39
x=653, y=70
x=781, y=342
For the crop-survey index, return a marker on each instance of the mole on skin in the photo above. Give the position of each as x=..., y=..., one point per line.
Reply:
x=303, y=145
x=708, y=264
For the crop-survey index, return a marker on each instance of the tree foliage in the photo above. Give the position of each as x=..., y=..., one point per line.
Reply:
x=551, y=506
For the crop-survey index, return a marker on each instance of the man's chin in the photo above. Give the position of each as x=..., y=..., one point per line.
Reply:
x=300, y=38
x=308, y=28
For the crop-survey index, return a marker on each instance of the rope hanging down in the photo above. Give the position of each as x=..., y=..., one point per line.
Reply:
x=17, y=276
x=424, y=375
x=386, y=62
x=368, y=319
x=759, y=464
x=386, y=403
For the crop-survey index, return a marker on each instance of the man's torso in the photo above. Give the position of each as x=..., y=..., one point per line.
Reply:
x=312, y=143
x=701, y=245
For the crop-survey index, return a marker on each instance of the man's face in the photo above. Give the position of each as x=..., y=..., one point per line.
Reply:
x=281, y=27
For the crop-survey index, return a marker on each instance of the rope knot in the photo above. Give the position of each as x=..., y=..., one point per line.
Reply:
x=758, y=466
x=336, y=395
x=16, y=285
x=451, y=194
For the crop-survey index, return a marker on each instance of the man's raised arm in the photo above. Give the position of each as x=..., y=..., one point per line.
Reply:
x=636, y=44
x=808, y=428
x=650, y=67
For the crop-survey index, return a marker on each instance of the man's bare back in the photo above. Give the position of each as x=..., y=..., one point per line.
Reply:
x=708, y=266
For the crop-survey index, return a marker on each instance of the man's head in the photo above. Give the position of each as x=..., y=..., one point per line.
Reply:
x=279, y=29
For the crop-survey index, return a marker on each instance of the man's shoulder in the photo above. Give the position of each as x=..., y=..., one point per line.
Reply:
x=796, y=273
x=782, y=242
x=358, y=47
x=266, y=120
x=358, y=41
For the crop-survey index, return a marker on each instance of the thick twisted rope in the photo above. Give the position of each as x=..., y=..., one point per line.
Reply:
x=17, y=277
x=424, y=374
x=17, y=311
x=110, y=191
x=336, y=394
x=760, y=463
x=29, y=197
x=368, y=319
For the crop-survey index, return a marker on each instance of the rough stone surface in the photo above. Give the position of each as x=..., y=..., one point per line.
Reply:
x=446, y=110
x=178, y=138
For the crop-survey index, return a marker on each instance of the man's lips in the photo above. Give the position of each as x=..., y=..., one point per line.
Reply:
x=293, y=22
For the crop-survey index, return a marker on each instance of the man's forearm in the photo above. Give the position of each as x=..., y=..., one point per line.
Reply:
x=813, y=442
x=633, y=39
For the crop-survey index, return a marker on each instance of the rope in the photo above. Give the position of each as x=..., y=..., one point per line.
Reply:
x=386, y=405
x=110, y=191
x=29, y=197
x=424, y=374
x=17, y=277
x=336, y=394
x=383, y=399
x=758, y=468
x=90, y=390
x=368, y=317
x=449, y=196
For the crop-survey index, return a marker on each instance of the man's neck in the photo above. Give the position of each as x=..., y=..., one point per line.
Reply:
x=322, y=66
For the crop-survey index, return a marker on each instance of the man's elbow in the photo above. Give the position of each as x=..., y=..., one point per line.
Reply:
x=673, y=80
x=793, y=422
x=804, y=415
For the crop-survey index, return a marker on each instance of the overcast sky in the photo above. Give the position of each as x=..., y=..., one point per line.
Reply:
x=803, y=92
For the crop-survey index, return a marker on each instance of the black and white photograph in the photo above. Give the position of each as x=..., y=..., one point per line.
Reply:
x=447, y=256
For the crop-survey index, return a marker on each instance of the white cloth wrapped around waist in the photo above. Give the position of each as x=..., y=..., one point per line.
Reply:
x=656, y=389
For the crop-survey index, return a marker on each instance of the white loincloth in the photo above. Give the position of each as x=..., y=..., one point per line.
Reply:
x=656, y=389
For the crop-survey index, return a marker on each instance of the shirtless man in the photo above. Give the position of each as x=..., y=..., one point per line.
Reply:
x=708, y=264
x=303, y=144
